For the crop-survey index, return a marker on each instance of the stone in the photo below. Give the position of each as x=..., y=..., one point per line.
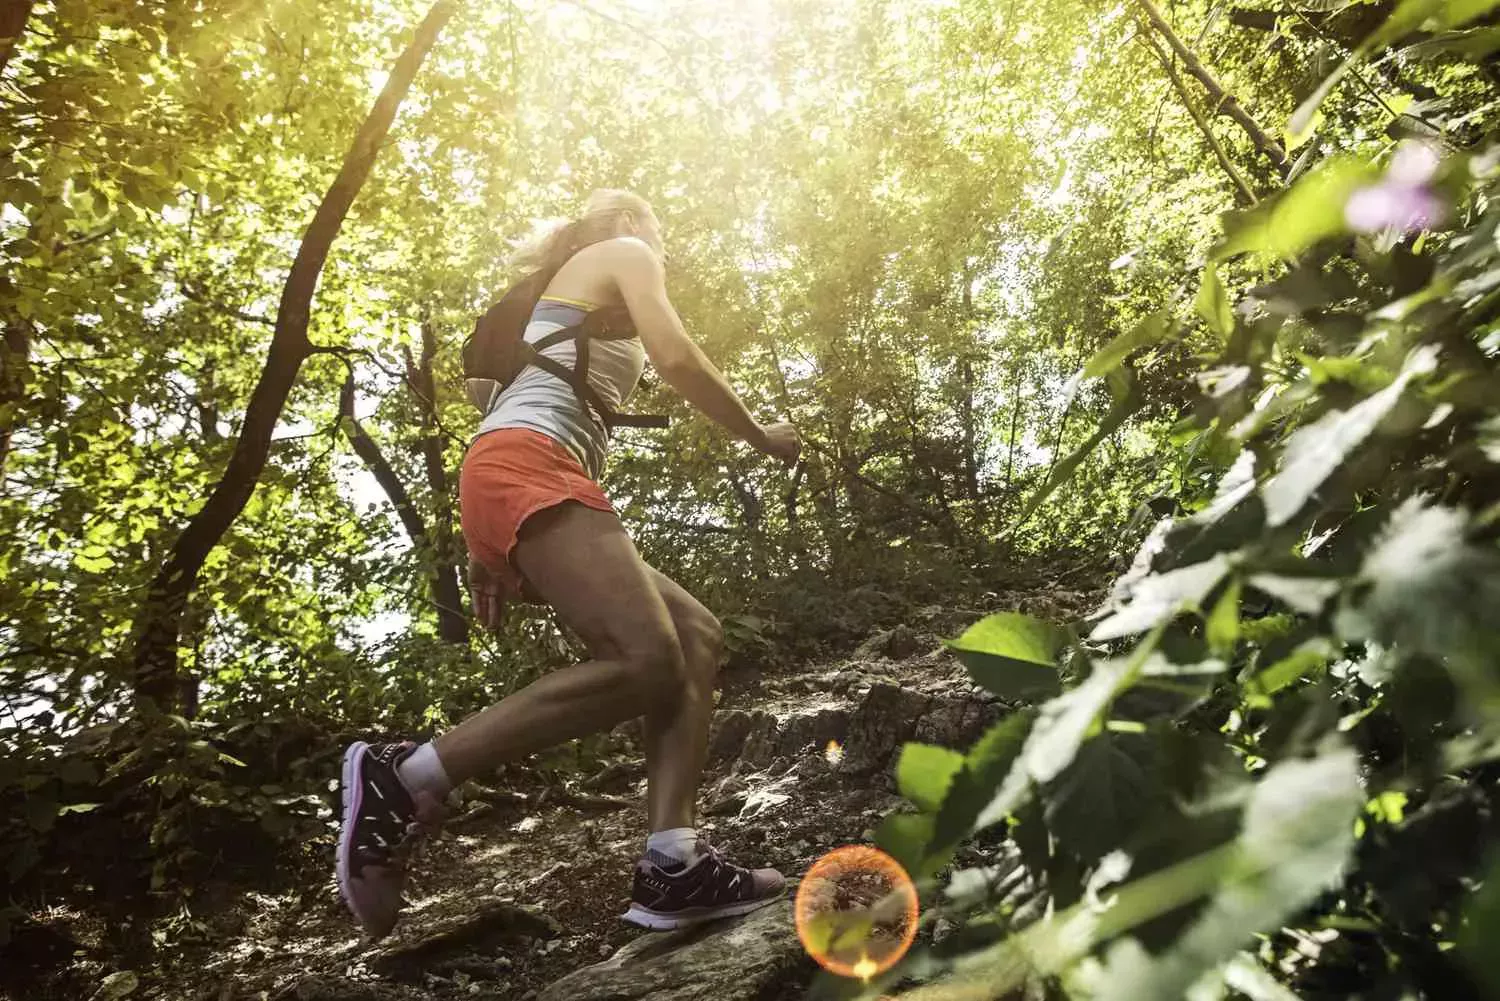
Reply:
x=492, y=928
x=957, y=724
x=732, y=729
x=816, y=728
x=751, y=958
x=891, y=644
x=759, y=748
x=881, y=723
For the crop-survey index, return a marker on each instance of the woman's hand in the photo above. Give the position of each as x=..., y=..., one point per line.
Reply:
x=780, y=441
x=484, y=589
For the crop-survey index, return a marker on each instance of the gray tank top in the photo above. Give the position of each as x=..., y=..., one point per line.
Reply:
x=540, y=401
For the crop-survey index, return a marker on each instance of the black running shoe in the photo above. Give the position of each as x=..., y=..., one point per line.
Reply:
x=672, y=894
x=382, y=821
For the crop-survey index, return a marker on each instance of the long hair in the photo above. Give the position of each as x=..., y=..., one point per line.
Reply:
x=558, y=240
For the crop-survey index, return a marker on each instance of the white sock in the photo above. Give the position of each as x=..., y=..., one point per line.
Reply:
x=680, y=843
x=422, y=771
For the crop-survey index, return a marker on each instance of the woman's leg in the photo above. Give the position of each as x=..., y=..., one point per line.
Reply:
x=581, y=562
x=677, y=739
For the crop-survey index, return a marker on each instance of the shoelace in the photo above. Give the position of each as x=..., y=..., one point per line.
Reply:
x=395, y=850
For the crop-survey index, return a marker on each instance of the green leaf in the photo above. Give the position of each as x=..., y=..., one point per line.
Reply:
x=1213, y=303
x=818, y=932
x=1425, y=588
x=924, y=773
x=1011, y=655
x=1305, y=660
x=1310, y=211
x=1223, y=626
x=975, y=785
x=78, y=808
x=1296, y=839
x=1062, y=726
x=1481, y=930
x=1294, y=141
x=1099, y=799
x=1414, y=15
x=1158, y=598
x=1306, y=595
x=904, y=837
x=1316, y=451
x=1155, y=327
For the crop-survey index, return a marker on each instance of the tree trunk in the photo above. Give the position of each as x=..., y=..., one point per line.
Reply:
x=159, y=622
x=15, y=368
x=1224, y=103
x=13, y=17
x=445, y=595
x=446, y=591
x=1242, y=186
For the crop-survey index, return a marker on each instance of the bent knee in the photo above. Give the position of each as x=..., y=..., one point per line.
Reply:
x=702, y=639
x=657, y=665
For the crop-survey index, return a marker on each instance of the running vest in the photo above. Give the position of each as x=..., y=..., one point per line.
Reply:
x=539, y=400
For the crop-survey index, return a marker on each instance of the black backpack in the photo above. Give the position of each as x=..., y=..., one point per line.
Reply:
x=497, y=351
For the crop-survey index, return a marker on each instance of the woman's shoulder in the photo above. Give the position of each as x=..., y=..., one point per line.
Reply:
x=621, y=248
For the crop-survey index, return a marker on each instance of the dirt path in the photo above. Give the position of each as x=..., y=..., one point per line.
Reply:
x=526, y=884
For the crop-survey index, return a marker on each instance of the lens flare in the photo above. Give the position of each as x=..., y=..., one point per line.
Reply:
x=856, y=911
x=834, y=752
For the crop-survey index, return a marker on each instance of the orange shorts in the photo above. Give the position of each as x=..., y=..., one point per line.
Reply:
x=509, y=475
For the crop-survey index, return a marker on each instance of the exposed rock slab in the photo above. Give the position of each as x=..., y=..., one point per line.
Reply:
x=742, y=959
x=490, y=929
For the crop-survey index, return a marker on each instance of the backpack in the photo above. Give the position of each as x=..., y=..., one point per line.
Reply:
x=497, y=351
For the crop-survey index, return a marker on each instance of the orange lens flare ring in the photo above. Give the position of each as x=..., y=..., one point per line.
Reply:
x=818, y=894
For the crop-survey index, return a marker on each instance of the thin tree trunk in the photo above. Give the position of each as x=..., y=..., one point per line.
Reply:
x=452, y=626
x=1223, y=102
x=15, y=367
x=159, y=621
x=1247, y=194
x=1010, y=453
x=13, y=17
x=966, y=404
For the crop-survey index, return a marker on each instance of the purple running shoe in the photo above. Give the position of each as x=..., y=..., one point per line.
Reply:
x=383, y=821
x=671, y=894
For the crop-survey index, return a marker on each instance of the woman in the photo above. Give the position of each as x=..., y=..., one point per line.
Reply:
x=538, y=527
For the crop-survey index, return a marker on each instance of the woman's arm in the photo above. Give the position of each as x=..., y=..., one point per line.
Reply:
x=641, y=280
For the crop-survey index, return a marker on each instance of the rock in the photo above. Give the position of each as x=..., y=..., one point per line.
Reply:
x=760, y=745
x=956, y=724
x=892, y=644
x=495, y=925
x=741, y=959
x=881, y=723
x=732, y=728
x=816, y=728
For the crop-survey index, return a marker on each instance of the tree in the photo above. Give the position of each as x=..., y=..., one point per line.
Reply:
x=159, y=621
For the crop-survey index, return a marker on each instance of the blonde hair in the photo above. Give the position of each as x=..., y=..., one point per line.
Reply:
x=556, y=240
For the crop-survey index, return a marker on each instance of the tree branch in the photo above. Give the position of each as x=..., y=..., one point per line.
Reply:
x=1223, y=102
x=159, y=623
x=1247, y=194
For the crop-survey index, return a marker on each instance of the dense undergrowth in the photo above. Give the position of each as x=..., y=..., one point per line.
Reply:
x=1273, y=770
x=1268, y=765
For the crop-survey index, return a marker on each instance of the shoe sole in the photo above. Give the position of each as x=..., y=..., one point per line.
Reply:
x=349, y=786
x=655, y=921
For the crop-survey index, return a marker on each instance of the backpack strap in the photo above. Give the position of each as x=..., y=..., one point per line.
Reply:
x=578, y=378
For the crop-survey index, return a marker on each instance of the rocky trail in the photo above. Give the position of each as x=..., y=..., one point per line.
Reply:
x=520, y=897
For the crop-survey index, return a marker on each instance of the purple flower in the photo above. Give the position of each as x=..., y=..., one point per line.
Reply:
x=1403, y=200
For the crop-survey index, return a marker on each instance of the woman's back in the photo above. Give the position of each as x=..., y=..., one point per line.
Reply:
x=538, y=399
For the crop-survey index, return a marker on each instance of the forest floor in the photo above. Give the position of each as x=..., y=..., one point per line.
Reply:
x=527, y=881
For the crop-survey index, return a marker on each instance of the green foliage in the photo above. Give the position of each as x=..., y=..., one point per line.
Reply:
x=1012, y=654
x=1319, y=650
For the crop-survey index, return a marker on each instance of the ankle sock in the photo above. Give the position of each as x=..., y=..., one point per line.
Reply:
x=679, y=844
x=422, y=771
